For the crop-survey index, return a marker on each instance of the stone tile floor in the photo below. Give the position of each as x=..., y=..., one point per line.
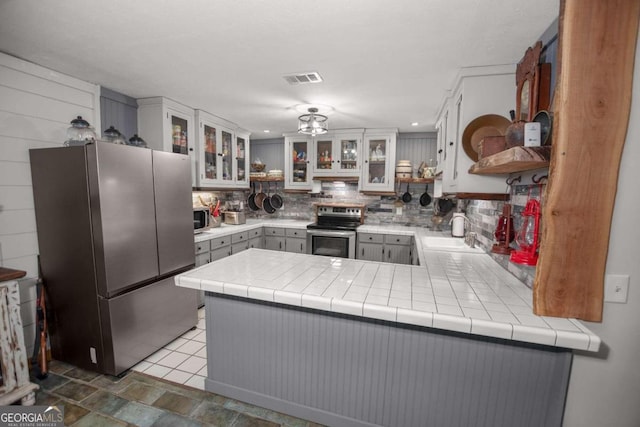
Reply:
x=137, y=399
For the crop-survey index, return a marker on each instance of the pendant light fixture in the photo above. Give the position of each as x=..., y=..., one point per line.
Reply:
x=312, y=123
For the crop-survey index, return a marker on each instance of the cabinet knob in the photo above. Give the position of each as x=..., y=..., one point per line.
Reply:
x=440, y=151
x=451, y=143
x=190, y=149
x=366, y=161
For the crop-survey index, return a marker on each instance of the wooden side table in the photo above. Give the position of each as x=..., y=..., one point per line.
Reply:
x=14, y=384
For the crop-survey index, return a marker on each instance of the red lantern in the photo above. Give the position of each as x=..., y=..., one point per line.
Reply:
x=505, y=232
x=528, y=237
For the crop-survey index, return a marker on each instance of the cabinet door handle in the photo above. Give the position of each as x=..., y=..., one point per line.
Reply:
x=280, y=245
x=440, y=151
x=389, y=253
x=451, y=143
x=300, y=247
x=362, y=251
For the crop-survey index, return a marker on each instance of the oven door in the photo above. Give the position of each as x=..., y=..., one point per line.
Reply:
x=332, y=243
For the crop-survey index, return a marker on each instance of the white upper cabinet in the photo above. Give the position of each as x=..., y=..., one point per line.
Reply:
x=297, y=166
x=337, y=153
x=378, y=171
x=478, y=91
x=167, y=125
x=223, y=153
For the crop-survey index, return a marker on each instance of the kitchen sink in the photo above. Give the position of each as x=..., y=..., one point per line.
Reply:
x=448, y=244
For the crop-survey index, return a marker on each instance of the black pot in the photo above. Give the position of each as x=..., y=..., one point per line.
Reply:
x=251, y=201
x=276, y=199
x=445, y=206
x=406, y=197
x=425, y=198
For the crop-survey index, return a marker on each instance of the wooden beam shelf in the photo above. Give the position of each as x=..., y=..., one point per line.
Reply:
x=337, y=178
x=266, y=179
x=515, y=159
x=415, y=180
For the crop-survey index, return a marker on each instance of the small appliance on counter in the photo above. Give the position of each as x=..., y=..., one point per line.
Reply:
x=234, y=217
x=458, y=221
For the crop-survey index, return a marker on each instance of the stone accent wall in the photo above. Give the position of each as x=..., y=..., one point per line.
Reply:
x=483, y=216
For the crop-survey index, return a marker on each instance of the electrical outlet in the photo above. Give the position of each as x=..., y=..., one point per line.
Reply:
x=616, y=288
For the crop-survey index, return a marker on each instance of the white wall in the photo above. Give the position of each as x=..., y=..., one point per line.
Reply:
x=36, y=106
x=605, y=389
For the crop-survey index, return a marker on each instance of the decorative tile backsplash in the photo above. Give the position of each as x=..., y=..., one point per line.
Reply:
x=483, y=214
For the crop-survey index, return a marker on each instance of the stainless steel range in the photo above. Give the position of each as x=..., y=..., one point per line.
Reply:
x=334, y=232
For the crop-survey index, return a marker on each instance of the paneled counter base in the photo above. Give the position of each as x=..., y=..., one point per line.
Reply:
x=344, y=370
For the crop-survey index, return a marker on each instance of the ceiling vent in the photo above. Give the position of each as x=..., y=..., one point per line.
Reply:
x=303, y=78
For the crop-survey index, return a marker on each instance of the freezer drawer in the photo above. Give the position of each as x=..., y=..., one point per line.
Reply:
x=140, y=322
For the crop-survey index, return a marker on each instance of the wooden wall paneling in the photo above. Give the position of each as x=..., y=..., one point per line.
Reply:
x=416, y=147
x=591, y=115
x=270, y=151
x=36, y=106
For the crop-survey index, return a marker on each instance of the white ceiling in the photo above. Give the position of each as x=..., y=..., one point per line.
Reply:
x=386, y=63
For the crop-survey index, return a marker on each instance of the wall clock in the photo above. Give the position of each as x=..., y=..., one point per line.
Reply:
x=532, y=84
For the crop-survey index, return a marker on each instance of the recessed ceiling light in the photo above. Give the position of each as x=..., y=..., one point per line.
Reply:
x=415, y=124
x=266, y=131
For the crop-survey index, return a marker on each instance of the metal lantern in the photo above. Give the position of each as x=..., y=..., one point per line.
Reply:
x=528, y=237
x=505, y=232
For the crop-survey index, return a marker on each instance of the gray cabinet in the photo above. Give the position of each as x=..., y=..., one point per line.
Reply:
x=296, y=240
x=385, y=248
x=370, y=247
x=239, y=242
x=202, y=250
x=220, y=247
x=256, y=238
x=398, y=248
x=274, y=238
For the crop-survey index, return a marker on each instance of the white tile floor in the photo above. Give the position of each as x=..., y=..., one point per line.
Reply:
x=183, y=360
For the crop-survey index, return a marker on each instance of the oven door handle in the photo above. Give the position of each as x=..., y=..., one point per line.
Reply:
x=332, y=233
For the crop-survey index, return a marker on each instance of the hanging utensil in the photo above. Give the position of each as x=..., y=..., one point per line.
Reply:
x=251, y=201
x=425, y=198
x=276, y=199
x=406, y=197
x=260, y=197
x=266, y=203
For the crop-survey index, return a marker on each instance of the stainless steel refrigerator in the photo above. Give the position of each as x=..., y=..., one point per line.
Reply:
x=114, y=227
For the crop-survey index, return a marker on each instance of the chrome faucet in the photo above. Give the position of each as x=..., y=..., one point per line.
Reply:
x=470, y=239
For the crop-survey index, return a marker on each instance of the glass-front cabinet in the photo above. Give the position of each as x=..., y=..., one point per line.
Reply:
x=167, y=125
x=241, y=163
x=297, y=157
x=337, y=153
x=379, y=163
x=222, y=153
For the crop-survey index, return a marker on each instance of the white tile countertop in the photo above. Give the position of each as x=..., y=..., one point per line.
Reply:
x=227, y=229
x=464, y=291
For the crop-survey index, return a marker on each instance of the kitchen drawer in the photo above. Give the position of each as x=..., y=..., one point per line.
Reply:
x=296, y=232
x=370, y=238
x=202, y=247
x=256, y=232
x=240, y=237
x=220, y=242
x=239, y=247
x=220, y=253
x=202, y=259
x=274, y=231
x=256, y=242
x=393, y=239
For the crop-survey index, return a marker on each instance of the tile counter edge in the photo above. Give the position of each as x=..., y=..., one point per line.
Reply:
x=557, y=335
